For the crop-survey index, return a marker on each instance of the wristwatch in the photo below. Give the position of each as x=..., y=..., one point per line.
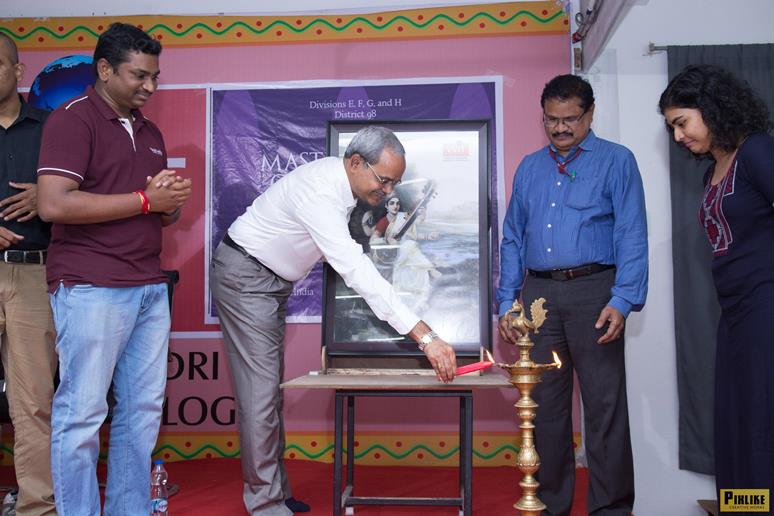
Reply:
x=426, y=339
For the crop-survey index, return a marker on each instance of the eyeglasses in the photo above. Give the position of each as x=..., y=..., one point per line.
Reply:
x=382, y=181
x=569, y=121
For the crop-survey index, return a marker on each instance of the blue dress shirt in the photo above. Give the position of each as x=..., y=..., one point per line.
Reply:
x=555, y=222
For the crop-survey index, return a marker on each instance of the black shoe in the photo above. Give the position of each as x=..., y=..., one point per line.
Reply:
x=297, y=505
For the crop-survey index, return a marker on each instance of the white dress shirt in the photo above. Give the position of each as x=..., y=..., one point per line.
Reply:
x=304, y=217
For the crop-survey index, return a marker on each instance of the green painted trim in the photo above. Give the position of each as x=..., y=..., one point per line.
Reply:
x=327, y=449
x=196, y=452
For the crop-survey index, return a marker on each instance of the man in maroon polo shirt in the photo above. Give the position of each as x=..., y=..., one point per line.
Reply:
x=102, y=181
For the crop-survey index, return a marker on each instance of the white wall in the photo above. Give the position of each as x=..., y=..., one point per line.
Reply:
x=628, y=83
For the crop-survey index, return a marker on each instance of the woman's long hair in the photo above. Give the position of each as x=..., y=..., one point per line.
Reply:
x=730, y=108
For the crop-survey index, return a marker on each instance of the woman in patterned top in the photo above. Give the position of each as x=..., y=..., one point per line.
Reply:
x=718, y=117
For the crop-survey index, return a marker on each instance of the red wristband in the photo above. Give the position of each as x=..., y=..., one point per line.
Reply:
x=144, y=202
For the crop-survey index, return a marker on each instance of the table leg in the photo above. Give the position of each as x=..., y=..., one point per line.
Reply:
x=337, y=441
x=351, y=442
x=466, y=413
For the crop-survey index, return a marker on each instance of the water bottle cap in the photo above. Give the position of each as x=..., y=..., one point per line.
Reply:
x=158, y=461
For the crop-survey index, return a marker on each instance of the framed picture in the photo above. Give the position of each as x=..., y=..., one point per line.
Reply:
x=430, y=239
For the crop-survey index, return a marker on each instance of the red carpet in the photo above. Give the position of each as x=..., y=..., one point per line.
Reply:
x=213, y=487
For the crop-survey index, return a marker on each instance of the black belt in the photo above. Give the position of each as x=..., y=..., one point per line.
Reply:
x=18, y=256
x=575, y=272
x=233, y=245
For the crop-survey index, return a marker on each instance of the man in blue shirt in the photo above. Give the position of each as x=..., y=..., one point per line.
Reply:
x=575, y=233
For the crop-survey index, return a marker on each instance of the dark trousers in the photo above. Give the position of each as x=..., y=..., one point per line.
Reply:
x=573, y=308
x=744, y=394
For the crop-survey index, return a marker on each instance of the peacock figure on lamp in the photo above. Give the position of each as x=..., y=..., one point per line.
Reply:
x=525, y=374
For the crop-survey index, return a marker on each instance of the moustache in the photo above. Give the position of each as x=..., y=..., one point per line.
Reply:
x=564, y=133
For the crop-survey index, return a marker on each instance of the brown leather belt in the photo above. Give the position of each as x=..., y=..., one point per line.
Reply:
x=575, y=272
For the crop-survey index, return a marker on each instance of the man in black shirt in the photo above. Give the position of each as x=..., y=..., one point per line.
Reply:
x=26, y=325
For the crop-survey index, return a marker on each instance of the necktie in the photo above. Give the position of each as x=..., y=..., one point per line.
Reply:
x=562, y=165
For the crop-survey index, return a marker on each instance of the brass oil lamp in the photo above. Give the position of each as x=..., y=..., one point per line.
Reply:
x=525, y=374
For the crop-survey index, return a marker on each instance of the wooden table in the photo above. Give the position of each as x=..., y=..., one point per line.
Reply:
x=350, y=386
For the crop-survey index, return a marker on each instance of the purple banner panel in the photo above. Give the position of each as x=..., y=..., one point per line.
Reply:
x=261, y=134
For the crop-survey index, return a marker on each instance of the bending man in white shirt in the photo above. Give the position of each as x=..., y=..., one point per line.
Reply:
x=301, y=218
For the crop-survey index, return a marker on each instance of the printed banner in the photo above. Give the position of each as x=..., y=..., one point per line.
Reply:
x=260, y=134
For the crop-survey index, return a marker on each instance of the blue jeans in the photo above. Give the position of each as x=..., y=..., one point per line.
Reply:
x=105, y=335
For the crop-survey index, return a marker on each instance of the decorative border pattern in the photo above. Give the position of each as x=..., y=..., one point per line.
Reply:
x=192, y=31
x=370, y=449
x=489, y=450
x=499, y=449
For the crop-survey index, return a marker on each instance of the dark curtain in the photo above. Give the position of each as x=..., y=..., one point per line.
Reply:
x=696, y=307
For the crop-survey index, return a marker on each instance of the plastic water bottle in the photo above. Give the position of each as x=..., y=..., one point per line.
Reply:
x=159, y=495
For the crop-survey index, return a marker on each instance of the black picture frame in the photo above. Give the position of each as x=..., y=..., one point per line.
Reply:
x=443, y=268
